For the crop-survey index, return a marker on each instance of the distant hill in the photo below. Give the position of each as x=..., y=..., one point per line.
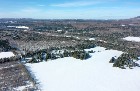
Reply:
x=136, y=18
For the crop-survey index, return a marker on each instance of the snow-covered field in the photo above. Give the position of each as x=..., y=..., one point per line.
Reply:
x=130, y=38
x=93, y=74
x=6, y=54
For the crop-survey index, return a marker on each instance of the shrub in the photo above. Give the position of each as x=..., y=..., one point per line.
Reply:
x=124, y=60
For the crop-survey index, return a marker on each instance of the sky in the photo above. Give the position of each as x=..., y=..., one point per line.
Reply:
x=70, y=9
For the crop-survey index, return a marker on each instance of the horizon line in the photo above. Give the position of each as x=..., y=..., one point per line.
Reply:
x=67, y=18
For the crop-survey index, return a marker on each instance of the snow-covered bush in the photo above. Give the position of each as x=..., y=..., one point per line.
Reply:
x=125, y=60
x=80, y=55
x=10, y=59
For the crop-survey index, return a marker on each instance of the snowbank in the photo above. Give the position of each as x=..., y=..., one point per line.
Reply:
x=136, y=39
x=93, y=74
x=97, y=49
x=91, y=38
x=22, y=27
x=6, y=54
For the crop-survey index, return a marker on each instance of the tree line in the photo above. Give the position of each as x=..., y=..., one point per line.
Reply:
x=45, y=56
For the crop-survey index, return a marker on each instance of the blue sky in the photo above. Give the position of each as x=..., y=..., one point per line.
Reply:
x=69, y=9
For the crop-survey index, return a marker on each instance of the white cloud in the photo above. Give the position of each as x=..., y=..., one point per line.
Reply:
x=30, y=10
x=41, y=5
x=81, y=3
x=76, y=4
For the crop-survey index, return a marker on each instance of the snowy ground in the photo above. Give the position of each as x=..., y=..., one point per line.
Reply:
x=93, y=74
x=130, y=38
x=22, y=88
x=97, y=49
x=6, y=54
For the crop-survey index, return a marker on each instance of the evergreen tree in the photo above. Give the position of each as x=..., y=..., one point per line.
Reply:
x=65, y=53
x=112, y=60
